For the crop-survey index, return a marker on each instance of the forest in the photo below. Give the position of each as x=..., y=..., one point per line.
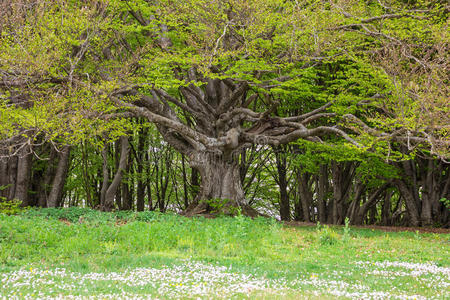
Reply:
x=308, y=110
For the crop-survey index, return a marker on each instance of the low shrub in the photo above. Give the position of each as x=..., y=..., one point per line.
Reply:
x=9, y=207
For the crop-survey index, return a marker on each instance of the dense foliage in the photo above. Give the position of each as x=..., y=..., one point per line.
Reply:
x=307, y=110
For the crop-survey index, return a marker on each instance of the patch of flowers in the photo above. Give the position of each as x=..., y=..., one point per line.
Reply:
x=192, y=279
x=425, y=274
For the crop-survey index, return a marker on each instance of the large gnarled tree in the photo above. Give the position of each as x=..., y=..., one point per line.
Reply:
x=215, y=73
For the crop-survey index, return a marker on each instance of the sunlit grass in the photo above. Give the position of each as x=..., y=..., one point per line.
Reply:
x=176, y=257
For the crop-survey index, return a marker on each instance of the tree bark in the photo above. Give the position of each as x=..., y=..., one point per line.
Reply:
x=46, y=182
x=285, y=209
x=322, y=193
x=115, y=148
x=56, y=193
x=148, y=183
x=3, y=177
x=426, y=214
x=370, y=203
x=108, y=203
x=342, y=174
x=195, y=183
x=140, y=192
x=410, y=201
x=127, y=191
x=12, y=177
x=219, y=181
x=23, y=177
x=306, y=195
x=386, y=209
x=105, y=175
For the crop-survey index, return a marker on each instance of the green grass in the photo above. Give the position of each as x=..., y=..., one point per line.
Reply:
x=181, y=257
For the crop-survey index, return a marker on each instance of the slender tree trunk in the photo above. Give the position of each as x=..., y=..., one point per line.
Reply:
x=322, y=193
x=140, y=195
x=126, y=196
x=185, y=183
x=444, y=212
x=12, y=176
x=298, y=210
x=56, y=193
x=119, y=190
x=127, y=187
x=87, y=177
x=148, y=183
x=372, y=215
x=110, y=193
x=386, y=209
x=140, y=192
x=3, y=176
x=105, y=173
x=285, y=209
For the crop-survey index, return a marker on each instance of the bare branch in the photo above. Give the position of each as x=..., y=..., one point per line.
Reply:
x=177, y=126
x=309, y=114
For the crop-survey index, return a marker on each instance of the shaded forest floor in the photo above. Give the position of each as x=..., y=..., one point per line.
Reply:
x=153, y=255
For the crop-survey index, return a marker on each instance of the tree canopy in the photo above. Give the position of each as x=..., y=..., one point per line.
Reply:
x=219, y=76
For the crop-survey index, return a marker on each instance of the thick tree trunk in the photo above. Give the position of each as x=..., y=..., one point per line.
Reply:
x=369, y=204
x=46, y=182
x=220, y=189
x=410, y=201
x=410, y=170
x=23, y=177
x=306, y=195
x=426, y=214
x=342, y=174
x=195, y=183
x=356, y=213
x=56, y=193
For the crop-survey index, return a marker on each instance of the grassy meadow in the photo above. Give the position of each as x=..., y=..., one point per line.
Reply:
x=85, y=254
